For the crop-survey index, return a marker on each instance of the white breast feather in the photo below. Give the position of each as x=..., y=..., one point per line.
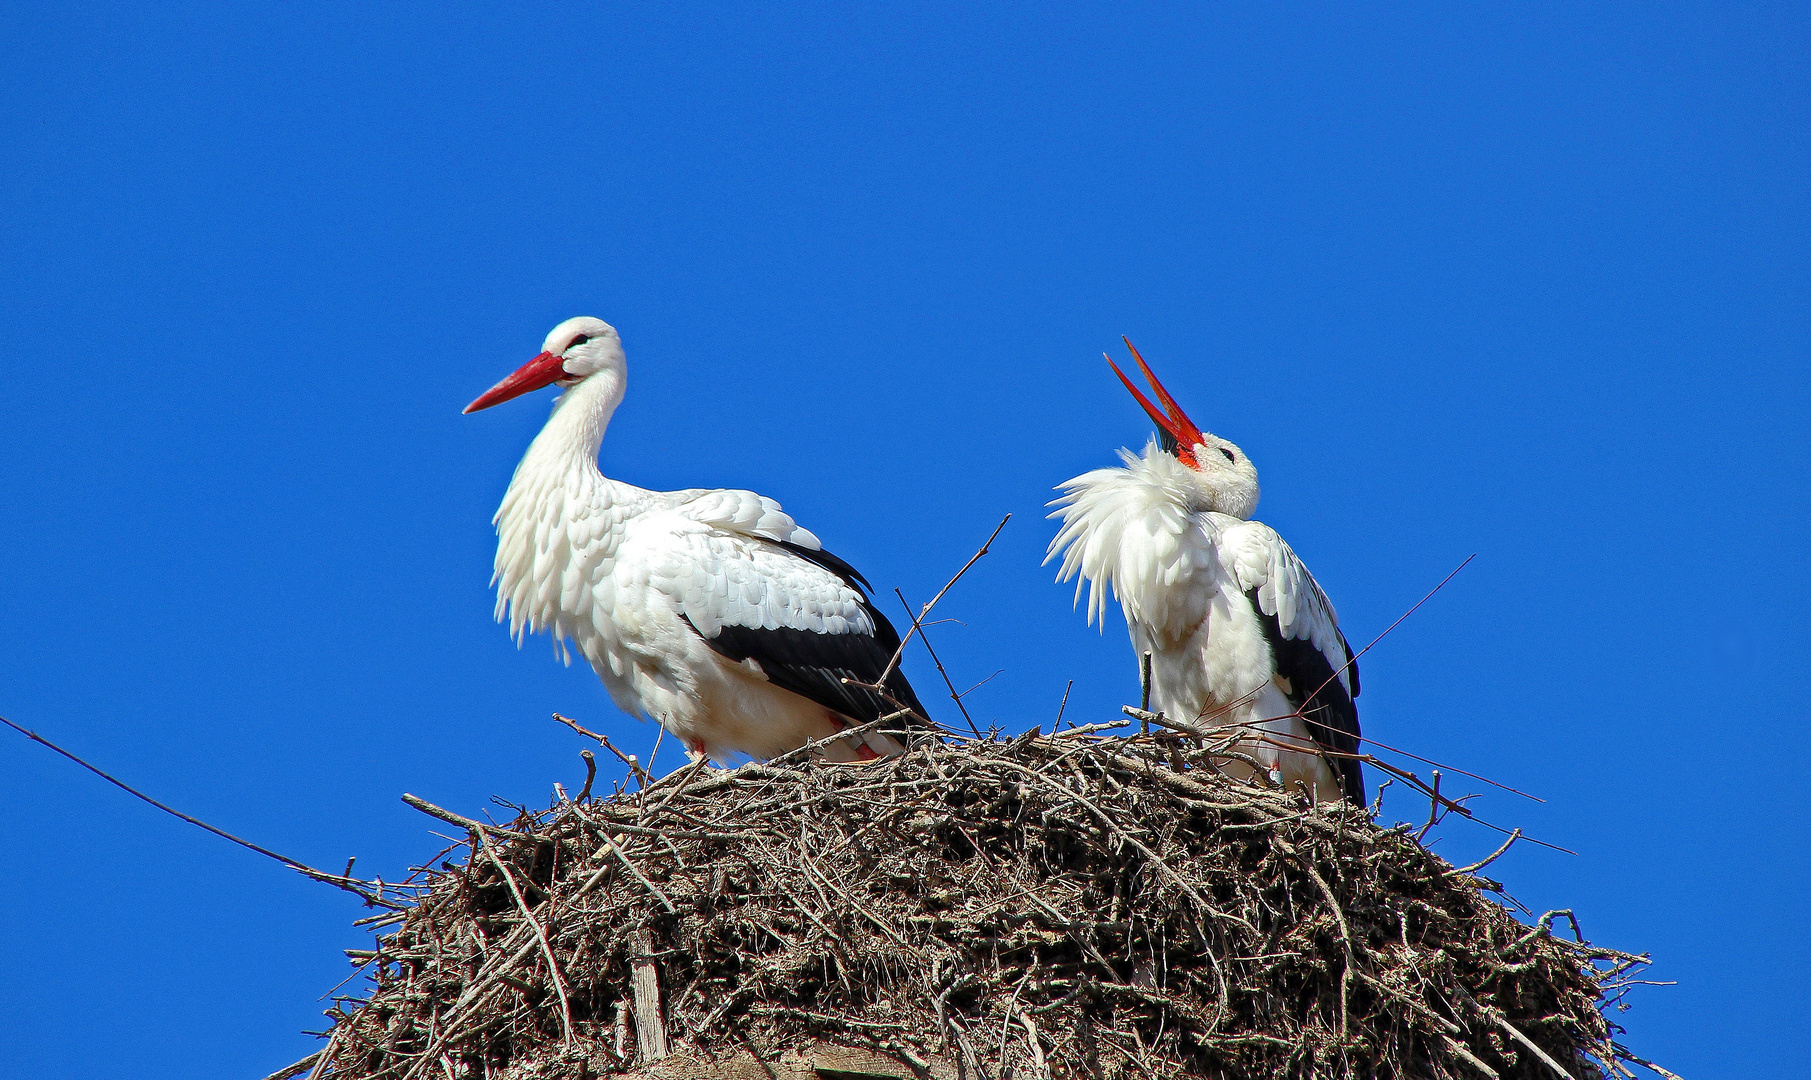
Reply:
x=1128, y=532
x=553, y=541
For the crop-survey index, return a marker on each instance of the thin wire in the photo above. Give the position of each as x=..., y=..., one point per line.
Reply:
x=293, y=864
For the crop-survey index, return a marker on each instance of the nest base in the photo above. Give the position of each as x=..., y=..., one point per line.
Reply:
x=1049, y=906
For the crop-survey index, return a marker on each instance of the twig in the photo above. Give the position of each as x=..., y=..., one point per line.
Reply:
x=1643, y=1062
x=1144, y=691
x=660, y=735
x=590, y=773
x=1345, y=932
x=918, y=628
x=1433, y=809
x=982, y=683
x=1059, y=708
x=641, y=774
x=1487, y=860
x=926, y=610
x=1089, y=729
x=296, y=1068
x=326, y=1055
x=1533, y=1047
x=1459, y=1051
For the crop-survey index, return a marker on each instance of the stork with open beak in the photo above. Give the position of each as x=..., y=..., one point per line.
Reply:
x=708, y=610
x=1240, y=635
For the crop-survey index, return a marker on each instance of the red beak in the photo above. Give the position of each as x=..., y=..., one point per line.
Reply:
x=1177, y=424
x=543, y=370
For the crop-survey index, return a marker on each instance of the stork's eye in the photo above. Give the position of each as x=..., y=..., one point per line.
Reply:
x=1230, y=456
x=576, y=342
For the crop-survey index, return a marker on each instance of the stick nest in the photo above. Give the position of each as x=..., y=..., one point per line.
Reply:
x=1068, y=905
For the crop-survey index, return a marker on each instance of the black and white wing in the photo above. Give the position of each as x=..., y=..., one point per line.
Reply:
x=759, y=589
x=1313, y=661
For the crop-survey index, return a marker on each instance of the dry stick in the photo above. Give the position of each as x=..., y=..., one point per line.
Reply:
x=590, y=773
x=1468, y=1057
x=1433, y=809
x=1516, y=1033
x=288, y=1071
x=1223, y=738
x=1419, y=785
x=326, y=1055
x=338, y=881
x=482, y=832
x=997, y=673
x=1643, y=1062
x=1144, y=691
x=498, y=963
x=659, y=737
x=918, y=628
x=976, y=557
x=855, y=905
x=1012, y=1007
x=641, y=774
x=451, y=818
x=1089, y=729
x=1145, y=717
x=1248, y=733
x=1061, y=707
x=845, y=733
x=1487, y=860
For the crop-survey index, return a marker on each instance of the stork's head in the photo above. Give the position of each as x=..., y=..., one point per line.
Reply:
x=576, y=349
x=1220, y=477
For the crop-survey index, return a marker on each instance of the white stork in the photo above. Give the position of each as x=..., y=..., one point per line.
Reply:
x=1239, y=633
x=708, y=610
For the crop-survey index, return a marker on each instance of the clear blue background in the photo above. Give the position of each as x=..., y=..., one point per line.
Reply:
x=1530, y=283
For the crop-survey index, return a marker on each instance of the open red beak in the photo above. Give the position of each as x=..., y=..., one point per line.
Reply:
x=543, y=370
x=1176, y=424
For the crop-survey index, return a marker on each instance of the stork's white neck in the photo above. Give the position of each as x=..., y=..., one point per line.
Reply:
x=556, y=490
x=575, y=431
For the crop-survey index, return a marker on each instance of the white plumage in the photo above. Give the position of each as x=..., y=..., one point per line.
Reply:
x=1240, y=634
x=711, y=611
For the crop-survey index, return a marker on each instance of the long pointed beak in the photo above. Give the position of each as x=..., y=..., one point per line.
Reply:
x=1175, y=421
x=543, y=370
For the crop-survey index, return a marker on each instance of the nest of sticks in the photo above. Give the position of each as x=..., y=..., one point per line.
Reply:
x=1046, y=906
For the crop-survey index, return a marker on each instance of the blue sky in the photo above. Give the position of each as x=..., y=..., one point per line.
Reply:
x=1526, y=282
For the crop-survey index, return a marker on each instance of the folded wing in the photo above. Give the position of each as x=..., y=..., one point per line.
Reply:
x=1310, y=652
x=760, y=590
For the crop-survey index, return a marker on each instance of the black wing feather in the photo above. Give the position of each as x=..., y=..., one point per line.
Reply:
x=813, y=665
x=1331, y=713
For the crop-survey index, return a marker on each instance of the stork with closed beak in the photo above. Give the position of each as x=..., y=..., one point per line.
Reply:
x=709, y=610
x=1240, y=635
